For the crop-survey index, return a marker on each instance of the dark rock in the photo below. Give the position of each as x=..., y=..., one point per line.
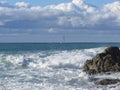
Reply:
x=112, y=50
x=109, y=60
x=108, y=81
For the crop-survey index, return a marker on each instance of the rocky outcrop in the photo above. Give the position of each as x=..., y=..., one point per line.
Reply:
x=108, y=81
x=108, y=60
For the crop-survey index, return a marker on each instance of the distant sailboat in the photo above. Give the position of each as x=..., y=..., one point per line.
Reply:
x=63, y=39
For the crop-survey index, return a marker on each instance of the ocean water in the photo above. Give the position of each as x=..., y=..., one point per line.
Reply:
x=50, y=66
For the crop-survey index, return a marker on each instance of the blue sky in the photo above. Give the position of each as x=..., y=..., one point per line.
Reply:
x=98, y=3
x=50, y=20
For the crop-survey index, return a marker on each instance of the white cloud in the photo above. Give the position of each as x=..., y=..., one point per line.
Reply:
x=113, y=7
x=73, y=15
x=112, y=10
x=37, y=8
x=78, y=2
x=21, y=4
x=63, y=7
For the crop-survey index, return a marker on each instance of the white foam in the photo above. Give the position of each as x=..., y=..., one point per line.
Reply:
x=56, y=58
x=53, y=70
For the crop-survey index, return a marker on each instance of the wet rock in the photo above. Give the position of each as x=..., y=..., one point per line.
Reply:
x=108, y=60
x=108, y=81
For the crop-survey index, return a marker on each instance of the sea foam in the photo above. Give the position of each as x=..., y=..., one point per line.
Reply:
x=53, y=70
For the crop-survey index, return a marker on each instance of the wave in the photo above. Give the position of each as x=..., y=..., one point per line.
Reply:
x=48, y=59
x=54, y=70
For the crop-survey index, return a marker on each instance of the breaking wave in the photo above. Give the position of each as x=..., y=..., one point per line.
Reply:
x=53, y=70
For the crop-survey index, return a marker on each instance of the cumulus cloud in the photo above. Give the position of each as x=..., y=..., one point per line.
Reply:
x=21, y=4
x=73, y=15
x=113, y=10
x=78, y=2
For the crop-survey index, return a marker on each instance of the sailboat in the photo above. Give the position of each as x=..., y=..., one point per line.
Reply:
x=63, y=39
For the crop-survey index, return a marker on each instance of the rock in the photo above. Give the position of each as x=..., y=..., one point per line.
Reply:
x=108, y=60
x=108, y=81
x=112, y=50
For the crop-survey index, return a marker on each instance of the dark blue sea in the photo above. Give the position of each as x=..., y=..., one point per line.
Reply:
x=50, y=66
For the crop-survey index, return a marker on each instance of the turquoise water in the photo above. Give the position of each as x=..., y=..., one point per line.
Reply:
x=50, y=66
x=51, y=46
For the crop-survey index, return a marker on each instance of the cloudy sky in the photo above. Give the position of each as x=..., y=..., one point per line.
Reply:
x=50, y=20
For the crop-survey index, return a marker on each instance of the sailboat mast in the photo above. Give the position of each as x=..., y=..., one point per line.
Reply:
x=63, y=39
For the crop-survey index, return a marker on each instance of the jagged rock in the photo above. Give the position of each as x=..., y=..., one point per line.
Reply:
x=109, y=60
x=108, y=81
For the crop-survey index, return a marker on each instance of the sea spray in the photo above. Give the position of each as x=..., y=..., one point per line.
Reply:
x=50, y=69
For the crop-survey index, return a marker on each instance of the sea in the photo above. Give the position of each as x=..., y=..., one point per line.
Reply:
x=51, y=66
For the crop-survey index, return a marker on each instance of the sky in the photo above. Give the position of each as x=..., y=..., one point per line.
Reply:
x=51, y=20
x=98, y=3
